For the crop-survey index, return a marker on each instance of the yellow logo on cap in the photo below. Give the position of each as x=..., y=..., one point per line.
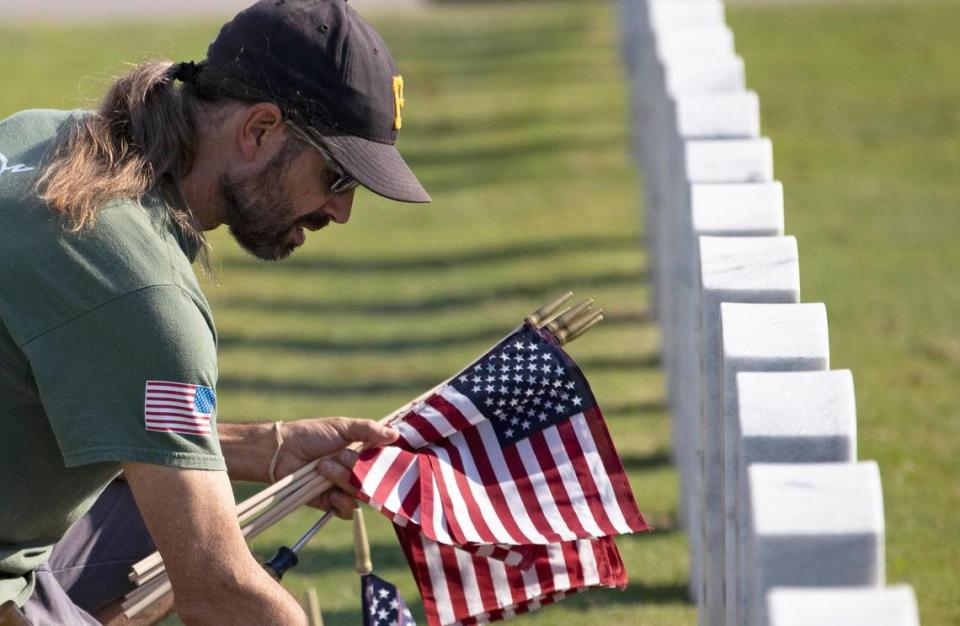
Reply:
x=397, y=101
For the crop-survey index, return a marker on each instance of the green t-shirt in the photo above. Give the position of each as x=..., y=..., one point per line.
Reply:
x=87, y=320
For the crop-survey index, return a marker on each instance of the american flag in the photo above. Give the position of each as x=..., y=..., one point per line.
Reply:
x=178, y=407
x=459, y=587
x=506, y=459
x=382, y=604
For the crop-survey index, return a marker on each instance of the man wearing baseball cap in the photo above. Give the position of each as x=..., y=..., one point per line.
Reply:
x=107, y=344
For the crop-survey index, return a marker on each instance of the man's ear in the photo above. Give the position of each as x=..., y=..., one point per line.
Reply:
x=260, y=126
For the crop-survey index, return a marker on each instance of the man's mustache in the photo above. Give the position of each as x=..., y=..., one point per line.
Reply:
x=314, y=221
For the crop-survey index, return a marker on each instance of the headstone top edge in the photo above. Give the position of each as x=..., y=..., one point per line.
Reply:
x=808, y=499
x=895, y=605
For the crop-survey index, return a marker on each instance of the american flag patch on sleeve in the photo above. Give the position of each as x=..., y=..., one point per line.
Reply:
x=178, y=407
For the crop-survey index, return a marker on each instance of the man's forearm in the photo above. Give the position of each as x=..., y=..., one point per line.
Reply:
x=191, y=517
x=251, y=597
x=247, y=449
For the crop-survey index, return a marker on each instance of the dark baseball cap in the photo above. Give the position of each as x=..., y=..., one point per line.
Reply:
x=330, y=72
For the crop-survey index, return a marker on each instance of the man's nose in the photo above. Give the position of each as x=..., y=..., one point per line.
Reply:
x=341, y=205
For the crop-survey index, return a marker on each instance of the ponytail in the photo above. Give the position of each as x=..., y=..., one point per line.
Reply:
x=140, y=140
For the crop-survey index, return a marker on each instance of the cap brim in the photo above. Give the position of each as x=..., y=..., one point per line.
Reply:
x=377, y=166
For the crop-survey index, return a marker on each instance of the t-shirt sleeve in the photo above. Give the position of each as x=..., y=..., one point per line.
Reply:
x=132, y=380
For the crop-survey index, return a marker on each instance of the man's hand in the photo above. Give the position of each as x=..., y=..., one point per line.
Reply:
x=310, y=439
x=248, y=449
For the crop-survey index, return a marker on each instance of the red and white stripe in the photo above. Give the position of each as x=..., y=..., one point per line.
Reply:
x=462, y=588
x=436, y=418
x=561, y=484
x=171, y=407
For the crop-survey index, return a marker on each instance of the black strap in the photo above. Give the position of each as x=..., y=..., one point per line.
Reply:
x=185, y=71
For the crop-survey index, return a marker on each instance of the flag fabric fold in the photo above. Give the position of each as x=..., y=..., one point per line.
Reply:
x=461, y=588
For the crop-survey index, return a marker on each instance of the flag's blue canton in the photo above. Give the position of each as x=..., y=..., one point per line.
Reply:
x=205, y=399
x=525, y=385
x=382, y=604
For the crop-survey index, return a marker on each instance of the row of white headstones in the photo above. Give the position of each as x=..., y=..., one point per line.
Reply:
x=785, y=525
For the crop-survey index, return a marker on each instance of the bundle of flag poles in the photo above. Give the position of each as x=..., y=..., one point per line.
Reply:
x=505, y=488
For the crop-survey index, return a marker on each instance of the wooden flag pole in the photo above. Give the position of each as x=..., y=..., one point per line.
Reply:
x=313, y=608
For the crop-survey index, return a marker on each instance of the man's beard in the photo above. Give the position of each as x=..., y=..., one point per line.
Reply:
x=257, y=211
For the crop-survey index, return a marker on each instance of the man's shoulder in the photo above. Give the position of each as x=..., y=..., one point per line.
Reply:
x=51, y=274
x=37, y=119
x=25, y=135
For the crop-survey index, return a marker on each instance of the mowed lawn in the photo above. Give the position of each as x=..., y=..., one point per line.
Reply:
x=516, y=121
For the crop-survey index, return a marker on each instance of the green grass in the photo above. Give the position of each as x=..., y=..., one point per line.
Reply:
x=862, y=105
x=516, y=122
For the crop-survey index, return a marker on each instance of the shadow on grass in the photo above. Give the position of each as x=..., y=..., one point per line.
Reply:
x=616, y=410
x=520, y=120
x=636, y=594
x=464, y=178
x=539, y=291
x=454, y=260
x=361, y=345
x=642, y=462
x=640, y=361
x=318, y=560
x=494, y=42
x=411, y=386
x=516, y=149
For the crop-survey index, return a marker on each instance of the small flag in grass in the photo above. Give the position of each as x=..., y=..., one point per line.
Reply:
x=382, y=604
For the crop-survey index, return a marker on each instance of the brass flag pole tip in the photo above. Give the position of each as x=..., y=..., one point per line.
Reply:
x=567, y=317
x=583, y=321
x=550, y=322
x=361, y=545
x=580, y=332
x=547, y=310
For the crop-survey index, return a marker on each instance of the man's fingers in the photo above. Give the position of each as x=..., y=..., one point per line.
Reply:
x=334, y=470
x=366, y=431
x=346, y=458
x=336, y=500
x=343, y=504
x=321, y=502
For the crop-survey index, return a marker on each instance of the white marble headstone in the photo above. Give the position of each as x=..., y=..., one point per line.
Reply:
x=718, y=116
x=751, y=209
x=843, y=606
x=759, y=338
x=700, y=75
x=721, y=210
x=813, y=525
x=730, y=161
x=693, y=41
x=732, y=269
x=667, y=14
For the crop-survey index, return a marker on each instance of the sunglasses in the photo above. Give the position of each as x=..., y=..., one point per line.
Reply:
x=338, y=180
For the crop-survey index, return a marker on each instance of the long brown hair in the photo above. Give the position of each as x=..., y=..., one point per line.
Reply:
x=140, y=140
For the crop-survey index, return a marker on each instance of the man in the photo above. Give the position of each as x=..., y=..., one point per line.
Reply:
x=107, y=345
